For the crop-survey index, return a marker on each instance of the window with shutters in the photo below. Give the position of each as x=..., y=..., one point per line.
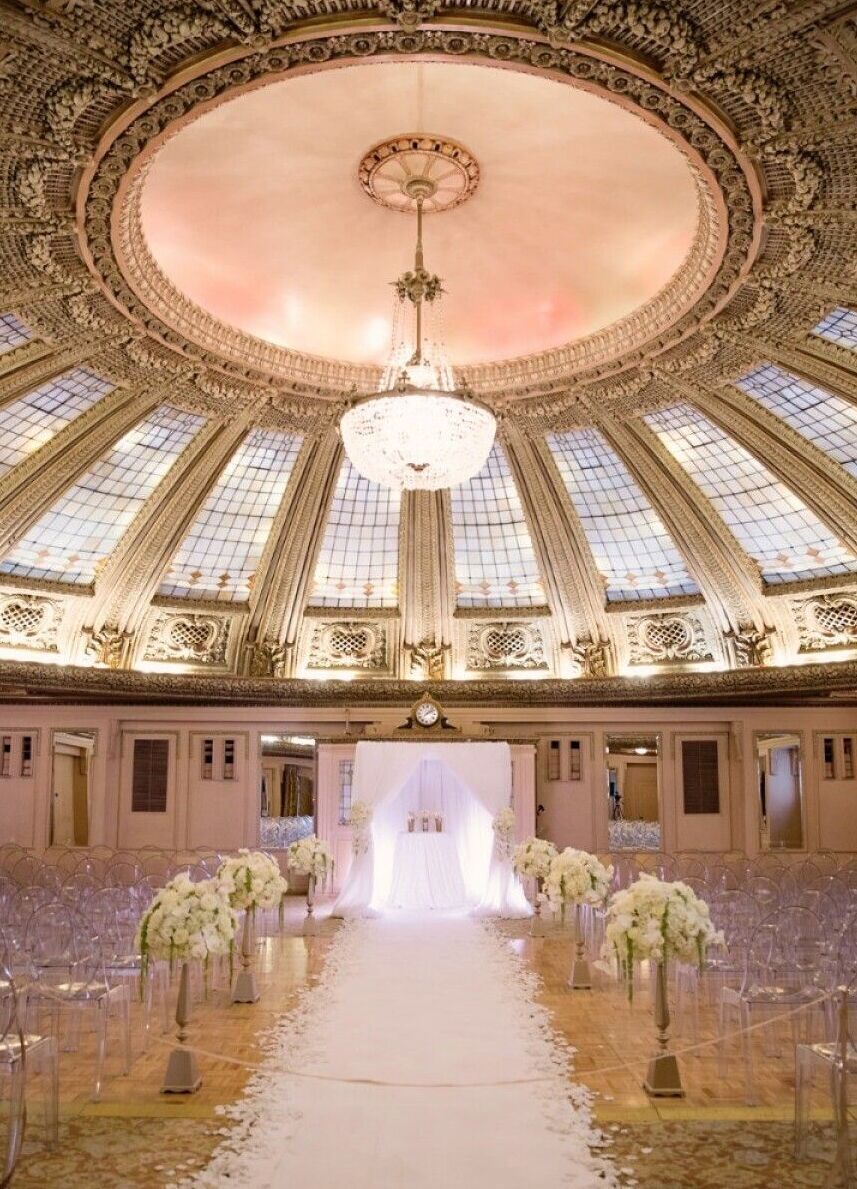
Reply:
x=6, y=760
x=575, y=770
x=149, y=776
x=228, y=759
x=208, y=759
x=700, y=776
x=27, y=755
x=553, y=759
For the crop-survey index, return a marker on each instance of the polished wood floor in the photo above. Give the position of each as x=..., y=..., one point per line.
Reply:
x=608, y=1033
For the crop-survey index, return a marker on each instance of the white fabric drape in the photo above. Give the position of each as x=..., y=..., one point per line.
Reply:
x=467, y=782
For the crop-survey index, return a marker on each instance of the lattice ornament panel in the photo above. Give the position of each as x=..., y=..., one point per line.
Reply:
x=675, y=637
x=506, y=645
x=349, y=644
x=29, y=621
x=196, y=638
x=826, y=621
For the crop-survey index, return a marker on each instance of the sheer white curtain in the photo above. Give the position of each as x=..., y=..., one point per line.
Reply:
x=467, y=782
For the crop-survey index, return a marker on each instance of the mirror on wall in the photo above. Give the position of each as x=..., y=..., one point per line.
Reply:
x=633, y=791
x=286, y=789
x=780, y=781
x=71, y=780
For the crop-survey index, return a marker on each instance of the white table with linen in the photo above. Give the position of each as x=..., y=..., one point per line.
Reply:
x=426, y=872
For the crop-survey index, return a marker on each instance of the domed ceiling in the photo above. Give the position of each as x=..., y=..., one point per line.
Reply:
x=650, y=282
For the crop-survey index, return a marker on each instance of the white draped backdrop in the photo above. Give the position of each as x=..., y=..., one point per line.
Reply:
x=468, y=783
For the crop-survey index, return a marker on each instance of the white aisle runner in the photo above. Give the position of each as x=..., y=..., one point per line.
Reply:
x=410, y=1002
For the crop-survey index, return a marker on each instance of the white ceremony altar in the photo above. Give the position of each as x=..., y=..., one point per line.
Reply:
x=449, y=858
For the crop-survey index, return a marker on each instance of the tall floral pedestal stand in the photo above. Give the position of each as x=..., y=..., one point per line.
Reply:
x=246, y=989
x=537, y=922
x=310, y=922
x=581, y=977
x=663, y=1079
x=182, y=1076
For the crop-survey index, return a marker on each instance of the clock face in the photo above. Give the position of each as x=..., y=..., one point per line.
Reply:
x=426, y=714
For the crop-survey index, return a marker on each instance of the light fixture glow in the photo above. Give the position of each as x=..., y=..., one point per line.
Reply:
x=418, y=433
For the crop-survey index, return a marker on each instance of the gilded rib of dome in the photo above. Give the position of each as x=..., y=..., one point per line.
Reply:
x=647, y=244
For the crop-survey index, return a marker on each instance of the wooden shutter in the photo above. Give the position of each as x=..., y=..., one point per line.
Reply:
x=149, y=778
x=700, y=776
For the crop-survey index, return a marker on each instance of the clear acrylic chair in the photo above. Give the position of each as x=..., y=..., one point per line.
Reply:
x=113, y=914
x=784, y=974
x=69, y=973
x=22, y=1054
x=835, y=1057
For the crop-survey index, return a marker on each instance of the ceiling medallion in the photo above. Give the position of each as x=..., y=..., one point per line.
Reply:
x=385, y=169
x=417, y=432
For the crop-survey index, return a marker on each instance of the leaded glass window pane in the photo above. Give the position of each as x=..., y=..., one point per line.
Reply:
x=218, y=557
x=83, y=527
x=495, y=564
x=358, y=564
x=30, y=422
x=13, y=333
x=632, y=548
x=828, y=421
x=840, y=326
x=786, y=539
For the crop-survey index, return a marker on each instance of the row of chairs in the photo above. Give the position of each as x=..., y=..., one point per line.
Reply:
x=67, y=955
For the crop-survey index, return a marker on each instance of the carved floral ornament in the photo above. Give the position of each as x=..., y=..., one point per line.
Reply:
x=741, y=90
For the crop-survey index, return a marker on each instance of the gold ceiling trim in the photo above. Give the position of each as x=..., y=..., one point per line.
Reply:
x=828, y=683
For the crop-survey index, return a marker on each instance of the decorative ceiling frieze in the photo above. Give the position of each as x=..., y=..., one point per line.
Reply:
x=761, y=101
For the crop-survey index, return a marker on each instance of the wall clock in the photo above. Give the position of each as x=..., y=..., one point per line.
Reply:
x=426, y=714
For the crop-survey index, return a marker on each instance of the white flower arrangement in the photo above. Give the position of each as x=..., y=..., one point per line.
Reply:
x=576, y=877
x=361, y=821
x=310, y=856
x=533, y=857
x=187, y=921
x=252, y=880
x=657, y=920
x=504, y=830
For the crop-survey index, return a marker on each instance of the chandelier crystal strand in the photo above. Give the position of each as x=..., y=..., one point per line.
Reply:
x=418, y=433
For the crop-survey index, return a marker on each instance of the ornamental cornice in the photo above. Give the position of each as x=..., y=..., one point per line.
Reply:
x=830, y=684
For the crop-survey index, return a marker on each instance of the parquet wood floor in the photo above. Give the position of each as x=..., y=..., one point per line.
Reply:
x=604, y=1028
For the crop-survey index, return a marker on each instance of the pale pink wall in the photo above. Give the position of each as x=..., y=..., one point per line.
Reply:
x=576, y=815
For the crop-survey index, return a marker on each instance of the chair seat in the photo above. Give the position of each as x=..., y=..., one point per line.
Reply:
x=133, y=963
x=76, y=990
x=10, y=1048
x=774, y=994
x=829, y=1051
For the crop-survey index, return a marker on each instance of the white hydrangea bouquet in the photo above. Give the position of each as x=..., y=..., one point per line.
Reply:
x=576, y=877
x=310, y=856
x=252, y=880
x=361, y=821
x=504, y=831
x=533, y=857
x=187, y=922
x=656, y=920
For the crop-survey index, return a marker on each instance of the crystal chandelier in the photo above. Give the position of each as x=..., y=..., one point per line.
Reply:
x=418, y=432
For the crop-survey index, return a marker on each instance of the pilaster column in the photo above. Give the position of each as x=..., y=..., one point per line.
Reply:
x=133, y=571
x=575, y=587
x=286, y=570
x=29, y=489
x=426, y=585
